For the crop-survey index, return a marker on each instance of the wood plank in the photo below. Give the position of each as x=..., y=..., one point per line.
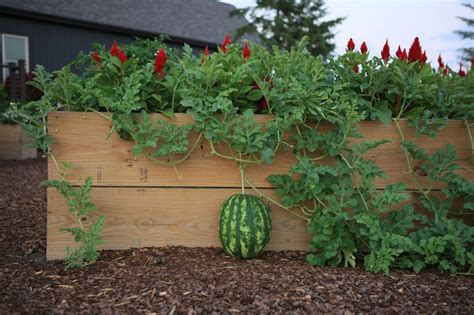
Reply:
x=13, y=133
x=10, y=133
x=14, y=143
x=16, y=151
x=80, y=138
x=141, y=217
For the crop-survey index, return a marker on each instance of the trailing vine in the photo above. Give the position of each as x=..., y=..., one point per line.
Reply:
x=314, y=111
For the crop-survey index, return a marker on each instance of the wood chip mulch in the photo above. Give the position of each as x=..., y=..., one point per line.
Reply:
x=192, y=280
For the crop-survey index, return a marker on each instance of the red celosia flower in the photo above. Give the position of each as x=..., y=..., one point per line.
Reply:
x=414, y=54
x=225, y=43
x=205, y=55
x=350, y=45
x=363, y=48
x=246, y=52
x=446, y=69
x=114, y=50
x=122, y=56
x=403, y=55
x=398, y=53
x=262, y=105
x=96, y=56
x=461, y=72
x=385, y=52
x=160, y=62
x=472, y=62
x=440, y=61
x=423, y=58
x=356, y=68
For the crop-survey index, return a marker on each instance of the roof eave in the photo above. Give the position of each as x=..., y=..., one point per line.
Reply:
x=102, y=27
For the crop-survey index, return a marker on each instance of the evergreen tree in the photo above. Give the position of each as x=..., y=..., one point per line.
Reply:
x=468, y=52
x=284, y=22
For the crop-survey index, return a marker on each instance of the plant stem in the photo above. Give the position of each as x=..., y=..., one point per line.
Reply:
x=174, y=163
x=99, y=113
x=241, y=170
x=214, y=152
x=410, y=165
x=276, y=202
x=319, y=157
x=469, y=133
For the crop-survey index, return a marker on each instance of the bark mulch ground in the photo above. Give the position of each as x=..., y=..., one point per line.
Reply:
x=183, y=280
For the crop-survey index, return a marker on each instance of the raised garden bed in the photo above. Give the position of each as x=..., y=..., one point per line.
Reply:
x=15, y=144
x=151, y=205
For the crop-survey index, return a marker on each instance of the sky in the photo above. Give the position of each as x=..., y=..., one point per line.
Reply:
x=399, y=21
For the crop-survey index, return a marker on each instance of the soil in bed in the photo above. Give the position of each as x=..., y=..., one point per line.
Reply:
x=191, y=280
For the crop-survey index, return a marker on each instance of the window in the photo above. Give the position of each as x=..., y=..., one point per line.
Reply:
x=14, y=48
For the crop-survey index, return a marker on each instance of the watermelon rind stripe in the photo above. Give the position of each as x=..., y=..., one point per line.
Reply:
x=238, y=231
x=233, y=241
x=229, y=211
x=223, y=220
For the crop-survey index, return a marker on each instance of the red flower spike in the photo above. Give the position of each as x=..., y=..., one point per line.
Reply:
x=440, y=61
x=399, y=52
x=414, y=54
x=363, y=48
x=403, y=55
x=461, y=72
x=350, y=45
x=160, y=62
x=246, y=52
x=385, y=52
x=205, y=55
x=446, y=69
x=225, y=43
x=114, y=50
x=423, y=58
x=96, y=57
x=356, y=68
x=122, y=56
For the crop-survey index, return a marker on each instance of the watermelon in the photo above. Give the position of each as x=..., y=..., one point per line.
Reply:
x=245, y=226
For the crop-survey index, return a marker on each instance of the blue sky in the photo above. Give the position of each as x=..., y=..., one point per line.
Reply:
x=400, y=21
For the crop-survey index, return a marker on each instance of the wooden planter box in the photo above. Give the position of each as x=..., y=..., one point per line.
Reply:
x=146, y=204
x=14, y=143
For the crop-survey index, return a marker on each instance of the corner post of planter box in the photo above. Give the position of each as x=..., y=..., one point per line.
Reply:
x=22, y=79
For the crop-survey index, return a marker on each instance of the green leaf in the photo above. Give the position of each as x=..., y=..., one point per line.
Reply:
x=254, y=95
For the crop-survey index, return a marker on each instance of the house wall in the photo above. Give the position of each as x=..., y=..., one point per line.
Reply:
x=54, y=44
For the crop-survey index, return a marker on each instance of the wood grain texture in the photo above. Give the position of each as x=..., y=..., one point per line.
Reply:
x=14, y=143
x=80, y=138
x=140, y=217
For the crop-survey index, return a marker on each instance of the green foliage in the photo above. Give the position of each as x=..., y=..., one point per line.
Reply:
x=4, y=104
x=314, y=111
x=80, y=205
x=167, y=137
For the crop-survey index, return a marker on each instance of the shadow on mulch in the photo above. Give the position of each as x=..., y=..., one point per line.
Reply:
x=191, y=280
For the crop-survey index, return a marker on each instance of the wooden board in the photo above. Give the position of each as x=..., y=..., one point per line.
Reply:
x=140, y=217
x=80, y=138
x=146, y=204
x=14, y=143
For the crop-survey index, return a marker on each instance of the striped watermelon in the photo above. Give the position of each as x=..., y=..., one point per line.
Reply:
x=245, y=226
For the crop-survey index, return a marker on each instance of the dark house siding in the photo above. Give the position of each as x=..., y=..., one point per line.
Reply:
x=52, y=44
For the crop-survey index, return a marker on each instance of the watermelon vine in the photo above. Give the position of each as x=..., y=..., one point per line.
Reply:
x=331, y=185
